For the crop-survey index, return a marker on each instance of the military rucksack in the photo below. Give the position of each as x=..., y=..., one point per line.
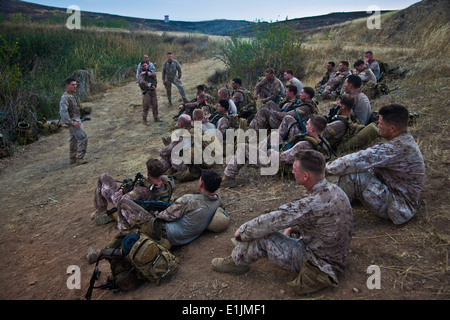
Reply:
x=134, y=258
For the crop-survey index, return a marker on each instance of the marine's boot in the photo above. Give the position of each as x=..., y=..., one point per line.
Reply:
x=227, y=265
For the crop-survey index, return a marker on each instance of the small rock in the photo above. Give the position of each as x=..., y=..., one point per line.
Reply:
x=355, y=290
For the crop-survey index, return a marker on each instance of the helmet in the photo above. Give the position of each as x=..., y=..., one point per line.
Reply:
x=220, y=221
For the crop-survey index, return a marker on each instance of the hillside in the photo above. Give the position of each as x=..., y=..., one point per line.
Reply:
x=39, y=13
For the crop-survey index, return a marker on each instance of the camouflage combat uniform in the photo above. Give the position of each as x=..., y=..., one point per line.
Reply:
x=366, y=75
x=387, y=178
x=375, y=67
x=270, y=115
x=170, y=72
x=107, y=191
x=69, y=112
x=270, y=90
x=185, y=171
x=324, y=221
x=341, y=128
x=148, y=83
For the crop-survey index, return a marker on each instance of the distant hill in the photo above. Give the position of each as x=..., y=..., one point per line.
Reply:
x=39, y=13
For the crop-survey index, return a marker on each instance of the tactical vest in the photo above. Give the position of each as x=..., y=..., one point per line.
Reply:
x=145, y=87
x=249, y=100
x=319, y=145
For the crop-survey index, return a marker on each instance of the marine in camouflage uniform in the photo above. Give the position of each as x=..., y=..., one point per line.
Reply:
x=107, y=191
x=331, y=89
x=147, y=82
x=330, y=70
x=323, y=220
x=185, y=171
x=69, y=111
x=388, y=177
x=270, y=115
x=372, y=64
x=185, y=219
x=171, y=74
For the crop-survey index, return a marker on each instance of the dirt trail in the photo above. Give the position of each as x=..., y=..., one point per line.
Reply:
x=46, y=225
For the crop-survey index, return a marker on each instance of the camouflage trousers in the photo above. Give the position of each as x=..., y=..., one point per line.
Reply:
x=106, y=192
x=375, y=196
x=266, y=118
x=130, y=213
x=284, y=251
x=147, y=102
x=78, y=142
x=178, y=84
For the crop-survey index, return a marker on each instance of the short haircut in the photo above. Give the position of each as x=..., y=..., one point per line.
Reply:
x=354, y=80
x=238, y=81
x=369, y=52
x=169, y=53
x=201, y=87
x=311, y=161
x=225, y=104
x=318, y=122
x=358, y=63
x=144, y=62
x=69, y=80
x=292, y=89
x=290, y=72
x=270, y=70
x=395, y=114
x=347, y=100
x=332, y=63
x=155, y=168
x=344, y=62
x=197, y=114
x=309, y=91
x=211, y=180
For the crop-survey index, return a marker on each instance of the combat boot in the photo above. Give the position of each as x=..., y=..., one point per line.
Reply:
x=144, y=121
x=228, y=182
x=72, y=160
x=158, y=120
x=81, y=161
x=227, y=265
x=170, y=102
x=92, y=255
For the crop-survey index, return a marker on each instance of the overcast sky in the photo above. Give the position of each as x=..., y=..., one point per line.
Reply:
x=250, y=10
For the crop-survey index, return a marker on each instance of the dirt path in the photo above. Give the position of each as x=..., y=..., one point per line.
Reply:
x=46, y=226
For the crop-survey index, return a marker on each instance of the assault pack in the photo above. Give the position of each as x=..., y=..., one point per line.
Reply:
x=134, y=258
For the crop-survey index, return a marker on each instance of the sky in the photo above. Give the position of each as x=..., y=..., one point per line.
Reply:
x=203, y=10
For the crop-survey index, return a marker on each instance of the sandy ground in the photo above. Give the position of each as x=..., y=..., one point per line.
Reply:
x=46, y=226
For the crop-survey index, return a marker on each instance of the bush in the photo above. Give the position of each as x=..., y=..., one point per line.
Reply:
x=275, y=45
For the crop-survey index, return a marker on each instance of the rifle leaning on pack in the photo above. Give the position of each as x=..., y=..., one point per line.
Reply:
x=333, y=111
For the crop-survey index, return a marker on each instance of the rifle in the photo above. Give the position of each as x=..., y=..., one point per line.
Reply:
x=333, y=111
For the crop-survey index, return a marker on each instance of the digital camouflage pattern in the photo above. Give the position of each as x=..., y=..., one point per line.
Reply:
x=387, y=178
x=324, y=221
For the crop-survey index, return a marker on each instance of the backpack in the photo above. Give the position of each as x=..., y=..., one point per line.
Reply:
x=134, y=258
